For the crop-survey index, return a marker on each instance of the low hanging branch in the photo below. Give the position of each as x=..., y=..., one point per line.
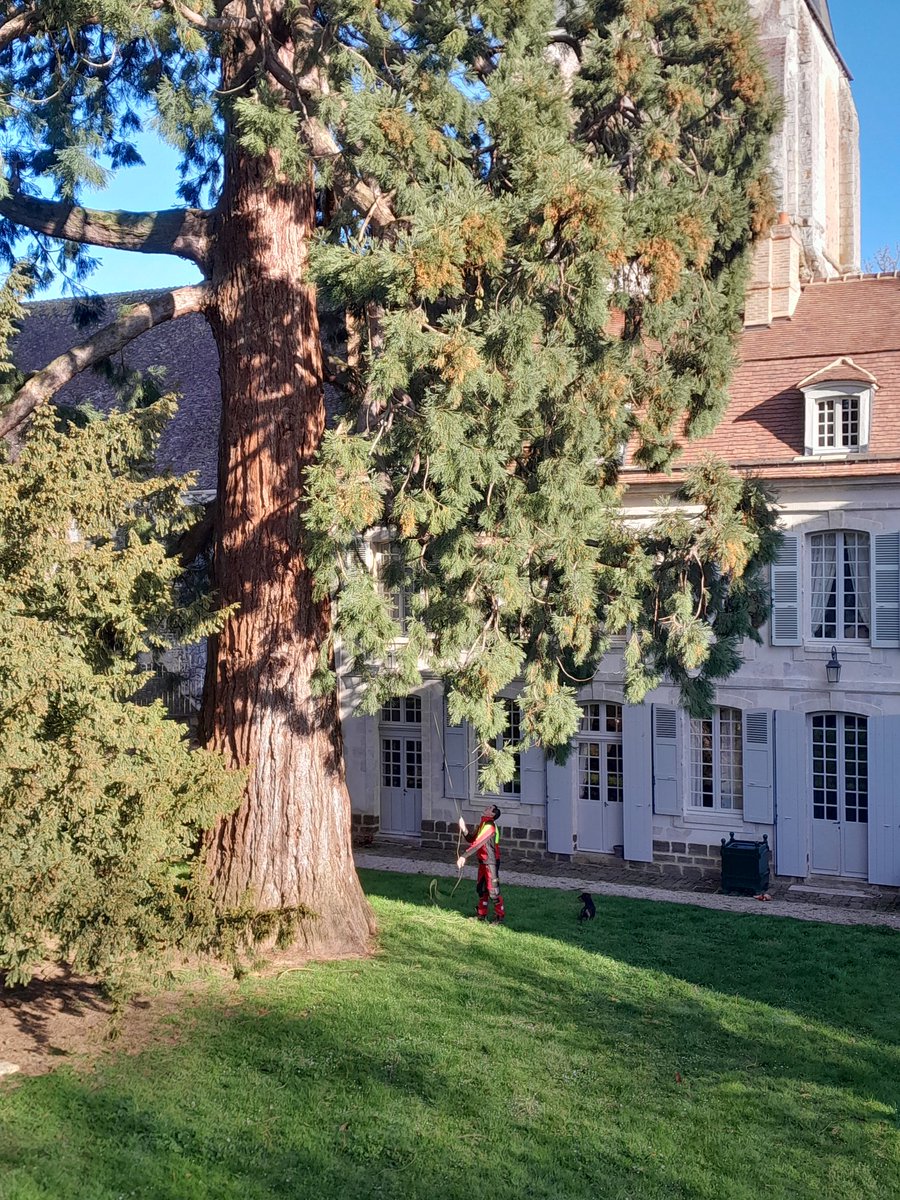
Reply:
x=227, y=24
x=181, y=231
x=18, y=26
x=37, y=390
x=366, y=196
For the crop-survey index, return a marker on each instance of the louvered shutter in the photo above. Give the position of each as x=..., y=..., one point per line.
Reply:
x=886, y=590
x=785, y=619
x=637, y=783
x=456, y=758
x=561, y=805
x=359, y=764
x=884, y=800
x=792, y=800
x=666, y=797
x=758, y=763
x=532, y=772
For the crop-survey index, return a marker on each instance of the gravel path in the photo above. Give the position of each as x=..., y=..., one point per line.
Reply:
x=741, y=904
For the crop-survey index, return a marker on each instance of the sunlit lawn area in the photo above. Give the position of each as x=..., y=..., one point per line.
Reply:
x=660, y=1052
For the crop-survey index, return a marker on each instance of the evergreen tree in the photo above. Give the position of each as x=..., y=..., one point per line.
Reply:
x=536, y=220
x=102, y=802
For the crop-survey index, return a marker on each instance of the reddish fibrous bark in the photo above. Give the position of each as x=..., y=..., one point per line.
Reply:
x=288, y=846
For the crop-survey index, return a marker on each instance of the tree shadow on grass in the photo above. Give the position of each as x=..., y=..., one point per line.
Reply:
x=469, y=1060
x=845, y=976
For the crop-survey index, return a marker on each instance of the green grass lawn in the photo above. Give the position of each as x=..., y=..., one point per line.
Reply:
x=662, y=1052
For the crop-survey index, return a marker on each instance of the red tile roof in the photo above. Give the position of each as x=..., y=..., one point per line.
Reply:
x=856, y=317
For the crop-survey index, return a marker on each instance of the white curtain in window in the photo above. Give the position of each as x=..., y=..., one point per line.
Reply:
x=823, y=578
x=856, y=558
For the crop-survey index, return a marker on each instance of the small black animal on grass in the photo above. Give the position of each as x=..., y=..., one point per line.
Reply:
x=588, y=912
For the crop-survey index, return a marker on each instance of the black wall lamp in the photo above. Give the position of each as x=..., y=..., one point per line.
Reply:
x=833, y=667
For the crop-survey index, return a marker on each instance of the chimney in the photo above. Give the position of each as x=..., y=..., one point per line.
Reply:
x=774, y=287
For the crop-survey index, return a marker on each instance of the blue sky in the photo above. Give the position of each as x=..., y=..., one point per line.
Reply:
x=868, y=35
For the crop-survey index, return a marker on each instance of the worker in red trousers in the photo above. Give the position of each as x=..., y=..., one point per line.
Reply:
x=484, y=842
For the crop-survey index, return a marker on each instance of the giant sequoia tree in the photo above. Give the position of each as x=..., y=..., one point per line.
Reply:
x=534, y=218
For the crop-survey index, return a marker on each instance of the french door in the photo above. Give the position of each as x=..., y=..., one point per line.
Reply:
x=401, y=783
x=600, y=778
x=840, y=795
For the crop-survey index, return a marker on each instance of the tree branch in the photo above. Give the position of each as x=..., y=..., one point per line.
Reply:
x=197, y=538
x=181, y=231
x=136, y=320
x=211, y=24
x=19, y=25
x=367, y=197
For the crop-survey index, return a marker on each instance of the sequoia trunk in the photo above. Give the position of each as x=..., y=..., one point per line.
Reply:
x=288, y=845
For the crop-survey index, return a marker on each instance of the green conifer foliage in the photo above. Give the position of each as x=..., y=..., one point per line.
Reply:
x=102, y=800
x=570, y=279
x=537, y=265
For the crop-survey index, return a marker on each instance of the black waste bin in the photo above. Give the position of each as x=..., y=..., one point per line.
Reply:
x=745, y=866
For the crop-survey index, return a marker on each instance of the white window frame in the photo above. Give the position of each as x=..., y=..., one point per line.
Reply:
x=387, y=553
x=594, y=730
x=512, y=790
x=840, y=626
x=838, y=392
x=402, y=710
x=695, y=730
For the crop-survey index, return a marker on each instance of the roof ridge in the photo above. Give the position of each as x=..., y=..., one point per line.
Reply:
x=851, y=277
x=68, y=301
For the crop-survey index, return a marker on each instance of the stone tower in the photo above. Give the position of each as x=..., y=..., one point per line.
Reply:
x=815, y=155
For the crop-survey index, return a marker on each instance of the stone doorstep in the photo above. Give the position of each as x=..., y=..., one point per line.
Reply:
x=843, y=893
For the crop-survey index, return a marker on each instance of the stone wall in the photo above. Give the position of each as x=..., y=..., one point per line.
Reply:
x=516, y=841
x=363, y=827
x=688, y=858
x=815, y=152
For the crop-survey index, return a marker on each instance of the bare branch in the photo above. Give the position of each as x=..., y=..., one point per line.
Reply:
x=195, y=540
x=181, y=231
x=211, y=24
x=366, y=196
x=38, y=389
x=18, y=26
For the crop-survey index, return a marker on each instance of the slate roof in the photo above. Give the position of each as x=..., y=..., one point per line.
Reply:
x=820, y=8
x=855, y=317
x=184, y=347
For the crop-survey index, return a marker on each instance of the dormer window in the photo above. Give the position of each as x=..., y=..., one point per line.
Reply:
x=836, y=424
x=838, y=408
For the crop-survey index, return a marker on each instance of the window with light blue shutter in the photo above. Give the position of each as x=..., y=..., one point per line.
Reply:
x=356, y=762
x=533, y=775
x=886, y=590
x=561, y=805
x=884, y=801
x=637, y=777
x=792, y=798
x=784, y=622
x=456, y=758
x=757, y=766
x=666, y=797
